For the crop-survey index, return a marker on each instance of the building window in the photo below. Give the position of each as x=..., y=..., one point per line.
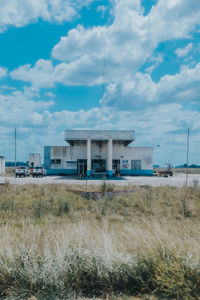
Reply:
x=136, y=164
x=55, y=161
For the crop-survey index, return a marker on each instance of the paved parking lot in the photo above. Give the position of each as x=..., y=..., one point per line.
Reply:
x=178, y=179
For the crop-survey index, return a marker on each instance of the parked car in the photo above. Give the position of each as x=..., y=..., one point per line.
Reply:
x=39, y=172
x=22, y=171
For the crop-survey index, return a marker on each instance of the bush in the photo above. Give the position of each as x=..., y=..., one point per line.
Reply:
x=106, y=187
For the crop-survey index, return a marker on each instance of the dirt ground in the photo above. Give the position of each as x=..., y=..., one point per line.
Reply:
x=178, y=179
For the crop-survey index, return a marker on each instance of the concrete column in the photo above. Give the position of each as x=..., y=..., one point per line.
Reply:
x=2, y=164
x=110, y=155
x=88, y=156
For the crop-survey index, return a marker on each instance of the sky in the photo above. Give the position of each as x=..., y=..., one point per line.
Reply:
x=100, y=64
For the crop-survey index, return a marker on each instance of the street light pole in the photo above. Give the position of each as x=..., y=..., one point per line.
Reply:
x=188, y=135
x=15, y=147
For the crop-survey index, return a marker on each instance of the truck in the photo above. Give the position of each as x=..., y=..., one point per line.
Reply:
x=39, y=172
x=167, y=172
x=22, y=171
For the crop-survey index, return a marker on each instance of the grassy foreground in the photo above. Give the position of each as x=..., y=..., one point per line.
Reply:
x=58, y=245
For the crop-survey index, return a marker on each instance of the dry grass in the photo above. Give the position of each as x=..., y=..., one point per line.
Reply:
x=57, y=245
x=184, y=170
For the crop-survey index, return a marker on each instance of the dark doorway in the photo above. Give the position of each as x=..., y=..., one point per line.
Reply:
x=99, y=165
x=81, y=167
x=116, y=166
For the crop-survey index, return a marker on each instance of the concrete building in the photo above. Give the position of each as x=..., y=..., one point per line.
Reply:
x=99, y=152
x=34, y=160
x=2, y=165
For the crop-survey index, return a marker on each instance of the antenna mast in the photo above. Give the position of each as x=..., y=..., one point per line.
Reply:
x=103, y=78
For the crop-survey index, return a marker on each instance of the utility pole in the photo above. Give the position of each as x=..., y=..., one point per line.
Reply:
x=188, y=135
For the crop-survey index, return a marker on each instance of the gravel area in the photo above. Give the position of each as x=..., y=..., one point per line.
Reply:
x=178, y=179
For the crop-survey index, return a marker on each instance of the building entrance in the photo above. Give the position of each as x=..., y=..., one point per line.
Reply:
x=81, y=167
x=116, y=166
x=99, y=165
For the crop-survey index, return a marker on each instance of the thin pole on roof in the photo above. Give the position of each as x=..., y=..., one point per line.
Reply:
x=103, y=79
x=105, y=63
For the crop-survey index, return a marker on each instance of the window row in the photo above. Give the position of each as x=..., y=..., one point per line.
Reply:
x=135, y=164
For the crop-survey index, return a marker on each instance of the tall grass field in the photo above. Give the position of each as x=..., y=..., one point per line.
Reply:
x=58, y=245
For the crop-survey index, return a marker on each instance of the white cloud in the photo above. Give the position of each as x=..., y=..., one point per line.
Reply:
x=132, y=99
x=79, y=72
x=36, y=126
x=180, y=52
x=41, y=76
x=19, y=13
x=80, y=42
x=155, y=60
x=142, y=91
x=18, y=109
x=101, y=9
x=50, y=94
x=3, y=72
x=130, y=40
x=6, y=87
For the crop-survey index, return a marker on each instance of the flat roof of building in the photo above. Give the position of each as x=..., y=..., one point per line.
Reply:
x=126, y=136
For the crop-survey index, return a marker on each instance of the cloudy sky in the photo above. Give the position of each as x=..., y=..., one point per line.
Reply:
x=100, y=64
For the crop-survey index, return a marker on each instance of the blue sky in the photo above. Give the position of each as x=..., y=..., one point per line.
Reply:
x=51, y=72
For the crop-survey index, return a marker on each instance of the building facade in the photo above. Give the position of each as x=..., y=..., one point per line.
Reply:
x=34, y=160
x=98, y=152
x=2, y=165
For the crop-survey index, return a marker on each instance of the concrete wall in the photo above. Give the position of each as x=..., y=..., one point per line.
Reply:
x=2, y=165
x=68, y=156
x=47, y=157
x=145, y=154
x=95, y=135
x=34, y=158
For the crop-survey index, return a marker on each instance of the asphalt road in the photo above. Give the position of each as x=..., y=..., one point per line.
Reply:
x=178, y=179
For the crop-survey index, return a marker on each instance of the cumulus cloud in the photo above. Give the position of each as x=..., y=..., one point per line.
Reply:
x=161, y=124
x=40, y=76
x=79, y=42
x=127, y=44
x=3, y=72
x=155, y=61
x=180, y=52
x=130, y=40
x=101, y=9
x=132, y=99
x=19, y=13
x=18, y=109
x=142, y=91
